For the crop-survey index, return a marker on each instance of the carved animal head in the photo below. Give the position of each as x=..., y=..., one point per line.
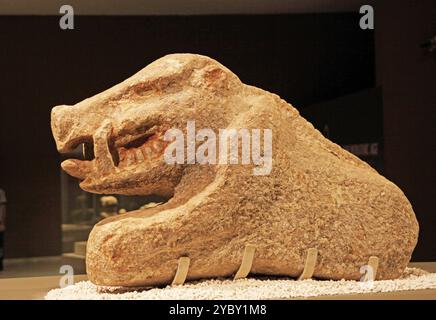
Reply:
x=122, y=128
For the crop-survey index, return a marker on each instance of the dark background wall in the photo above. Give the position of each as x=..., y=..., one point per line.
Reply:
x=355, y=122
x=304, y=58
x=408, y=78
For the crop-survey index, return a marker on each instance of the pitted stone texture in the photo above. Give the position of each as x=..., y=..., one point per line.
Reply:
x=316, y=196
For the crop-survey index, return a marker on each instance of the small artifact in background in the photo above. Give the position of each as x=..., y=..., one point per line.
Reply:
x=109, y=206
x=82, y=214
x=430, y=45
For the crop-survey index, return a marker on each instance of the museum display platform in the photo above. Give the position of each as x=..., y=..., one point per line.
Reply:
x=37, y=287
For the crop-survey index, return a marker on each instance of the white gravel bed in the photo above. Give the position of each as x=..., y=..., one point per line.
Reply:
x=250, y=288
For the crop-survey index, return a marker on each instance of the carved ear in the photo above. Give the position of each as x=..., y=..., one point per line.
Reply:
x=211, y=77
x=214, y=75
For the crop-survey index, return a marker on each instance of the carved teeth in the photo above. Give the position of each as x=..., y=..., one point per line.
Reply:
x=158, y=145
x=139, y=155
x=146, y=151
x=122, y=155
x=130, y=158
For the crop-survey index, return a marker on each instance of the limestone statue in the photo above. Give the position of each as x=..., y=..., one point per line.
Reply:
x=316, y=195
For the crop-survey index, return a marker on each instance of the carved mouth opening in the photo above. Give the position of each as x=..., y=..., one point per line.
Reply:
x=135, y=149
x=81, y=149
x=138, y=141
x=88, y=150
x=127, y=149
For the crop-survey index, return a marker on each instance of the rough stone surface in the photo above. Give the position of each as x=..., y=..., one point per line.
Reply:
x=317, y=194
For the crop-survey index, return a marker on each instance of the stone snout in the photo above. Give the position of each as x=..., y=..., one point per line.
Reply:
x=70, y=130
x=70, y=126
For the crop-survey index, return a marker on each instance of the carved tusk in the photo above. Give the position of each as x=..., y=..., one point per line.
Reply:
x=182, y=271
x=103, y=156
x=247, y=262
x=309, y=265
